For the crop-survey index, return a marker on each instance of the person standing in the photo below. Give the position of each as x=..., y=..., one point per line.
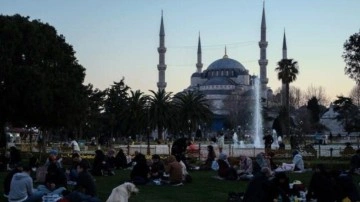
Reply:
x=268, y=140
x=221, y=142
x=74, y=145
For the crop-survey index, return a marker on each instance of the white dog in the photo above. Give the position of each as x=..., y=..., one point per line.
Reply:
x=122, y=192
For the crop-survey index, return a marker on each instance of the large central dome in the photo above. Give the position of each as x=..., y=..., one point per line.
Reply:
x=226, y=63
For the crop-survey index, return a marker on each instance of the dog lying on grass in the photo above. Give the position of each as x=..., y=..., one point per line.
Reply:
x=122, y=192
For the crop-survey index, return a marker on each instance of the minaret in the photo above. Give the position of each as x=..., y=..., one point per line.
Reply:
x=284, y=56
x=199, y=63
x=263, y=61
x=161, y=84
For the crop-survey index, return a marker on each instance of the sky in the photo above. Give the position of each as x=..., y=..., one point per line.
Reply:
x=119, y=38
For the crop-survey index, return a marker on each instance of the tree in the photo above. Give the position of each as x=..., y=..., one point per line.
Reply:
x=351, y=57
x=94, y=112
x=355, y=95
x=287, y=72
x=348, y=113
x=116, y=107
x=40, y=77
x=160, y=111
x=192, y=108
x=318, y=92
x=314, y=108
x=296, y=98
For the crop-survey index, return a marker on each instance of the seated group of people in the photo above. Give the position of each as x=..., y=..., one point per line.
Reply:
x=170, y=171
x=247, y=168
x=19, y=184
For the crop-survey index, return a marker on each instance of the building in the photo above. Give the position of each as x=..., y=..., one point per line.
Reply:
x=223, y=78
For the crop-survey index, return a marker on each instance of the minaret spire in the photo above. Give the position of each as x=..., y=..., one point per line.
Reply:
x=263, y=61
x=284, y=56
x=284, y=49
x=161, y=84
x=225, y=56
x=199, y=63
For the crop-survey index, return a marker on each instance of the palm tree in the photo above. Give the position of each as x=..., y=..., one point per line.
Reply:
x=192, y=109
x=287, y=72
x=160, y=110
x=137, y=117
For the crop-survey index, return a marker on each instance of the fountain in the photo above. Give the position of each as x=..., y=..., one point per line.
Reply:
x=257, y=122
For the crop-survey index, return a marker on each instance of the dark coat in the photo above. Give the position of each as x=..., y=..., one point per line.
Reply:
x=86, y=184
x=258, y=189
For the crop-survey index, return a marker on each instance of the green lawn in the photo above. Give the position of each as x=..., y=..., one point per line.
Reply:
x=203, y=188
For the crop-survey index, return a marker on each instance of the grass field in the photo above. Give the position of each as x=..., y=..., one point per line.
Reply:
x=203, y=187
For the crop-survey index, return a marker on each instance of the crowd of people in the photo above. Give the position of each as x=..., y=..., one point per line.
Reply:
x=267, y=180
x=75, y=182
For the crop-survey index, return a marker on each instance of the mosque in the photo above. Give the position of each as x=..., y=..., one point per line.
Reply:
x=223, y=77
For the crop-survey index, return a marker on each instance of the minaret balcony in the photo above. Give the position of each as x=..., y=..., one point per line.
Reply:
x=161, y=49
x=161, y=67
x=264, y=80
x=161, y=84
x=263, y=62
x=199, y=65
x=263, y=44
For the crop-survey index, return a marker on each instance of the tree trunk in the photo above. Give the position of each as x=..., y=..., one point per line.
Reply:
x=160, y=131
x=287, y=107
x=2, y=135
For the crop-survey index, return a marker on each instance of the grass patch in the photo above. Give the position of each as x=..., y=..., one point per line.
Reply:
x=203, y=188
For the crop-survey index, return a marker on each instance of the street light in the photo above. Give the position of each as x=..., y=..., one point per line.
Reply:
x=189, y=122
x=148, y=140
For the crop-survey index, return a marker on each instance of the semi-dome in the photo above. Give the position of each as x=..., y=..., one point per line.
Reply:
x=226, y=63
x=196, y=74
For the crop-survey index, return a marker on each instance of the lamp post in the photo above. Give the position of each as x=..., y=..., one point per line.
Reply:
x=148, y=141
x=189, y=122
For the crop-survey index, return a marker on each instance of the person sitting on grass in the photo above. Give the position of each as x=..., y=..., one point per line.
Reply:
x=7, y=181
x=298, y=161
x=21, y=186
x=280, y=187
x=99, y=164
x=321, y=186
x=110, y=162
x=157, y=168
x=72, y=171
x=261, y=161
x=210, y=158
x=225, y=170
x=355, y=162
x=55, y=182
x=85, y=188
x=174, y=169
x=259, y=188
x=140, y=171
x=121, y=160
x=245, y=168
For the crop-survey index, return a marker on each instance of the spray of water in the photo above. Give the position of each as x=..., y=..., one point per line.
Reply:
x=257, y=122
